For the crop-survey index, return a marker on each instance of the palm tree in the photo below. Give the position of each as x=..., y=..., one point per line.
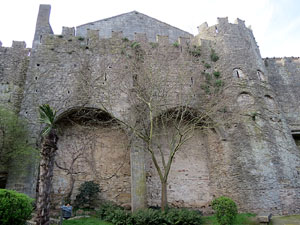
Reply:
x=48, y=148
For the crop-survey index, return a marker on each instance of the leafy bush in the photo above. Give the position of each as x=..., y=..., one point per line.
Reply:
x=117, y=215
x=120, y=217
x=135, y=45
x=195, y=51
x=207, y=77
x=148, y=216
x=219, y=83
x=217, y=74
x=207, y=65
x=176, y=44
x=14, y=139
x=225, y=210
x=106, y=209
x=153, y=44
x=206, y=88
x=183, y=217
x=15, y=208
x=87, y=193
x=213, y=56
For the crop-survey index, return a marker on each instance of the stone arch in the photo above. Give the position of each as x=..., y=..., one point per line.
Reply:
x=245, y=100
x=189, y=182
x=270, y=103
x=271, y=108
x=238, y=73
x=260, y=75
x=91, y=146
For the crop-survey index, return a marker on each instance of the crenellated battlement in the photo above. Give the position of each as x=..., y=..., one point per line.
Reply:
x=67, y=38
x=223, y=27
x=283, y=60
x=16, y=45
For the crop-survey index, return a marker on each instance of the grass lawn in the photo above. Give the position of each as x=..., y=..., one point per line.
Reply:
x=86, y=221
x=282, y=220
x=241, y=219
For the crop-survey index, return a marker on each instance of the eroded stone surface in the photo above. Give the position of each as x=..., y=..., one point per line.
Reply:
x=99, y=154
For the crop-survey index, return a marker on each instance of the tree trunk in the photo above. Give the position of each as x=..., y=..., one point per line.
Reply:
x=164, y=200
x=69, y=195
x=48, y=149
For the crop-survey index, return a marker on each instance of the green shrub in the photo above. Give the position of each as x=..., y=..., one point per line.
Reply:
x=217, y=74
x=219, y=83
x=148, y=216
x=120, y=217
x=15, y=208
x=206, y=88
x=207, y=65
x=153, y=44
x=14, y=140
x=176, y=44
x=87, y=193
x=106, y=209
x=183, y=217
x=117, y=215
x=207, y=77
x=225, y=210
x=135, y=45
x=195, y=51
x=213, y=56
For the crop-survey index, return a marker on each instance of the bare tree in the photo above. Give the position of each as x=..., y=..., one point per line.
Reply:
x=168, y=90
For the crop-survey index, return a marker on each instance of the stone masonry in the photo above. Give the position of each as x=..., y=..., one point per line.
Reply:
x=255, y=160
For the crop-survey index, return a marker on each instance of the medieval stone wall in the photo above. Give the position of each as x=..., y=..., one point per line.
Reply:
x=13, y=68
x=253, y=159
x=191, y=182
x=95, y=153
x=262, y=171
x=283, y=75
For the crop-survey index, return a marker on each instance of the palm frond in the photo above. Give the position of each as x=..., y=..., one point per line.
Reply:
x=47, y=116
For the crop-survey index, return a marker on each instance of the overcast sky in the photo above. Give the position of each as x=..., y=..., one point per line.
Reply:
x=275, y=23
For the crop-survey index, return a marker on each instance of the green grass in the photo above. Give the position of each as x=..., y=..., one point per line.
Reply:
x=86, y=221
x=281, y=220
x=241, y=219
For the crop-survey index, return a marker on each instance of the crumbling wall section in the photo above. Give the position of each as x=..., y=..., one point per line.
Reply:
x=13, y=67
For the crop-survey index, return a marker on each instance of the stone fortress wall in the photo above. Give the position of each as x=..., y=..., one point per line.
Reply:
x=284, y=77
x=257, y=163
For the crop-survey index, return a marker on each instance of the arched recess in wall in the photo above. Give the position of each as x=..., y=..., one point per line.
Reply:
x=270, y=103
x=260, y=75
x=91, y=147
x=245, y=100
x=190, y=178
x=238, y=73
x=271, y=108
